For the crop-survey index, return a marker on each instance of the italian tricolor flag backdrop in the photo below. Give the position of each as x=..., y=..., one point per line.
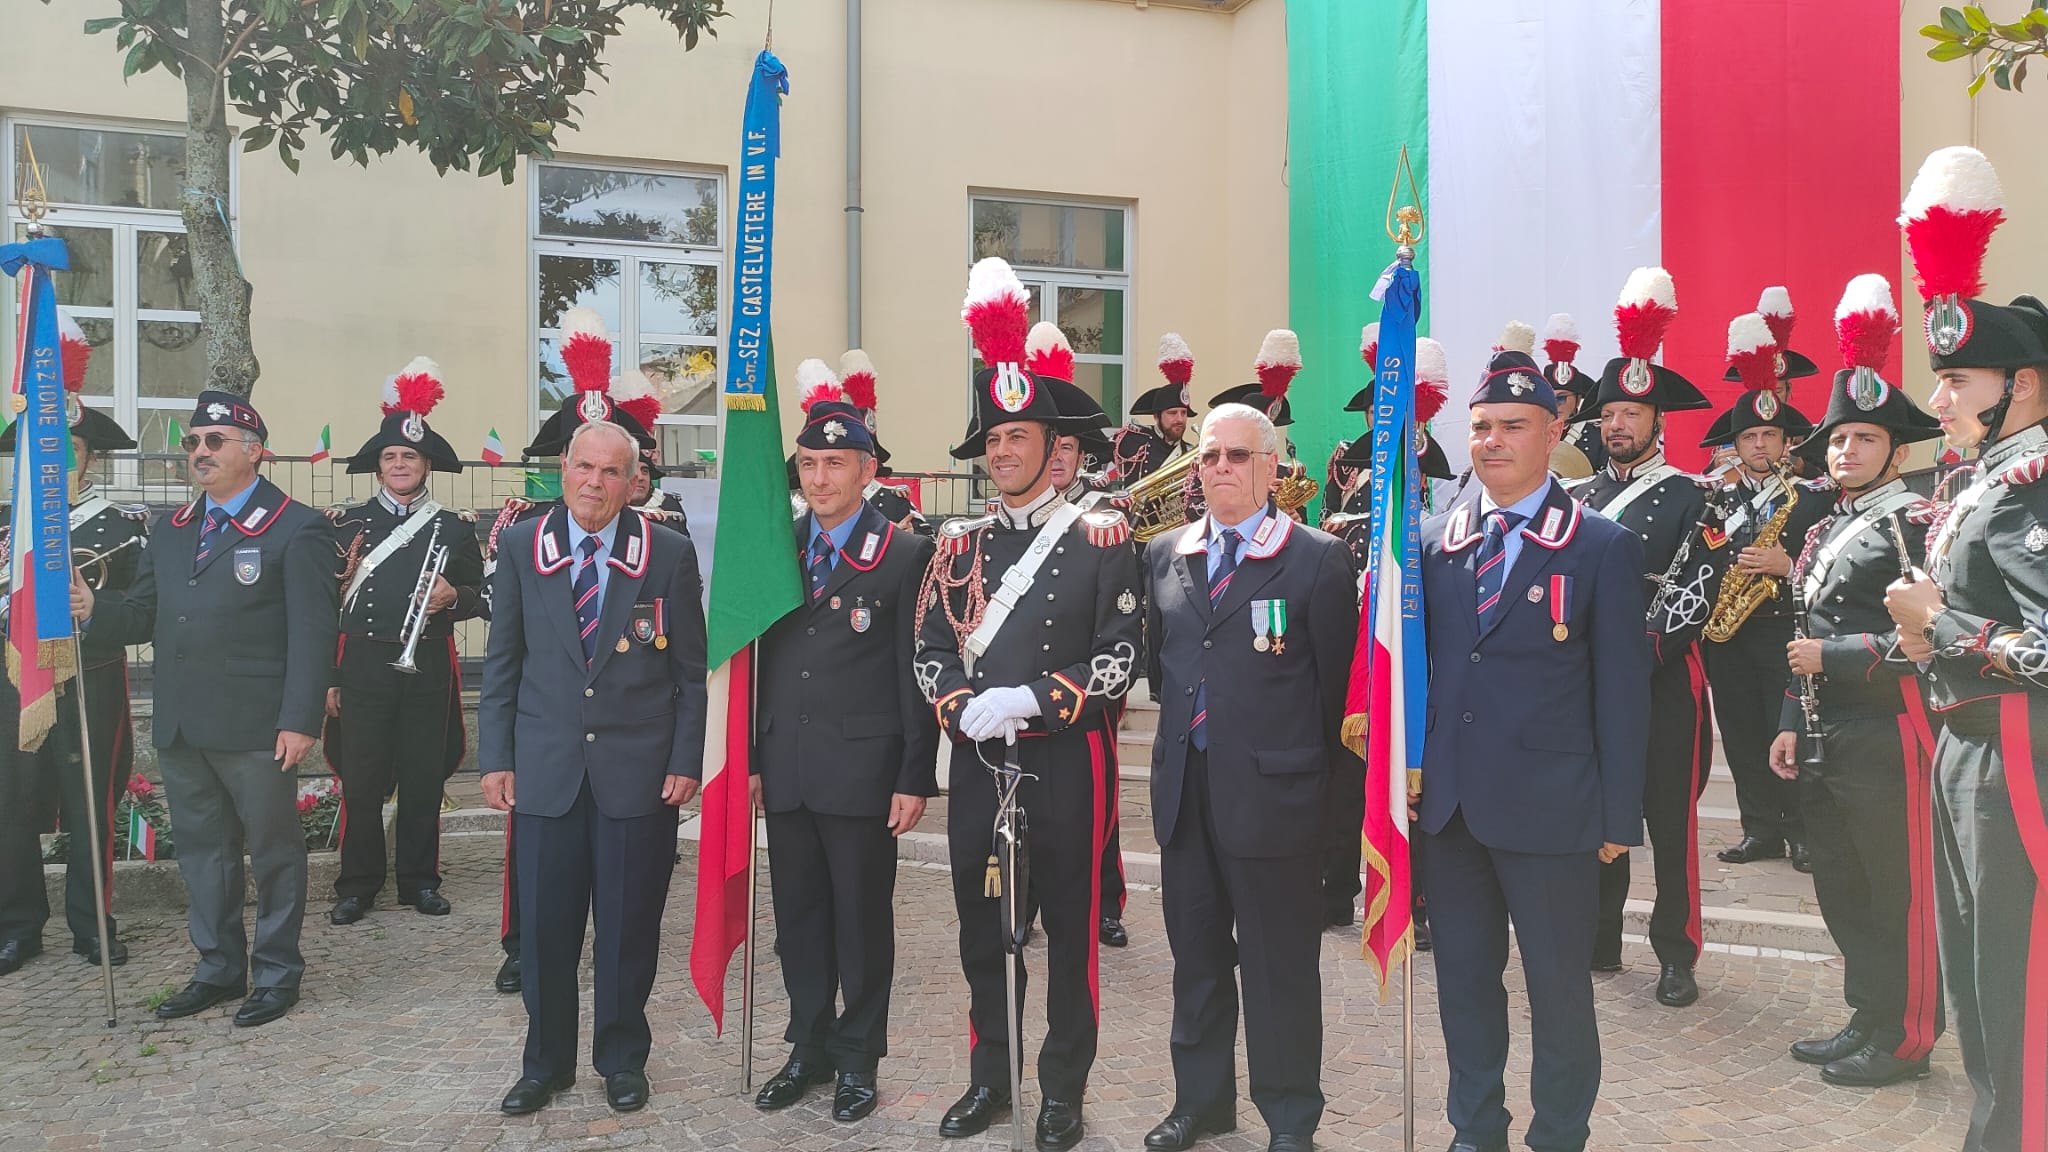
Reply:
x=1559, y=144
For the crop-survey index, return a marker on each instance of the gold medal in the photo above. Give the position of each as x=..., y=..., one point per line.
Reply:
x=622, y=644
x=1559, y=632
x=661, y=641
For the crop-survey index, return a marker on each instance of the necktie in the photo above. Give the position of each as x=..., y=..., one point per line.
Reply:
x=586, y=598
x=207, y=533
x=1226, y=566
x=821, y=564
x=1493, y=568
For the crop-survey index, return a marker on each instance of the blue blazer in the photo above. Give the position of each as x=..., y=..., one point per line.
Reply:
x=1540, y=741
x=632, y=717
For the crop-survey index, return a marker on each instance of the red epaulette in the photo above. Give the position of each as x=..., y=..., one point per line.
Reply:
x=1106, y=527
x=2025, y=472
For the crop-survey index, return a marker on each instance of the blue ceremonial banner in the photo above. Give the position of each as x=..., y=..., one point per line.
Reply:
x=1397, y=486
x=746, y=360
x=39, y=648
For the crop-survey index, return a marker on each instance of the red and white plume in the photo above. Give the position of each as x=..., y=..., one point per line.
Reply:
x=1518, y=337
x=73, y=350
x=1775, y=306
x=997, y=311
x=1369, y=345
x=416, y=388
x=1279, y=359
x=857, y=377
x=1176, y=360
x=1648, y=305
x=1561, y=338
x=1865, y=322
x=634, y=393
x=1752, y=352
x=1047, y=353
x=586, y=350
x=815, y=384
x=1949, y=214
x=1432, y=379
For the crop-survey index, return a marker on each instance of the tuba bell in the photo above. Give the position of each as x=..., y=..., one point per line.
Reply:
x=1159, y=502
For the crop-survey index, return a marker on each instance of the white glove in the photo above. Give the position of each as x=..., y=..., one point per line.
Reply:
x=985, y=715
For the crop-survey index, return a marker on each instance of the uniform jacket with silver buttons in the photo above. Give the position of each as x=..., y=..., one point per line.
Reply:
x=108, y=529
x=842, y=726
x=1864, y=673
x=378, y=612
x=1992, y=639
x=1662, y=518
x=1816, y=501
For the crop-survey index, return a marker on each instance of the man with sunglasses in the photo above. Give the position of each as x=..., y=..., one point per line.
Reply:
x=244, y=655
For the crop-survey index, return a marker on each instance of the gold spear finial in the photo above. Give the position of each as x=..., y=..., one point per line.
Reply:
x=1405, y=224
x=35, y=196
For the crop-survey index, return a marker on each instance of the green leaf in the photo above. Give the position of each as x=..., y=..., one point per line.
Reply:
x=258, y=138
x=562, y=34
x=1955, y=22
x=290, y=161
x=103, y=24
x=1938, y=33
x=1948, y=51
x=2002, y=76
x=139, y=58
x=1975, y=18
x=1977, y=85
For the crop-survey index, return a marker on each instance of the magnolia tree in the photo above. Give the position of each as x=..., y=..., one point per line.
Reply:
x=1998, y=52
x=472, y=84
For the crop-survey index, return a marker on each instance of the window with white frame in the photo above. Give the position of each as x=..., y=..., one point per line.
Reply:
x=113, y=192
x=644, y=248
x=1074, y=260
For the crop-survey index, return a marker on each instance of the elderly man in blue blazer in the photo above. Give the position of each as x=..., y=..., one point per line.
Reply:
x=591, y=733
x=1532, y=771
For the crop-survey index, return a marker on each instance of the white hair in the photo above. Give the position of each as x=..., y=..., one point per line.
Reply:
x=602, y=428
x=1269, y=436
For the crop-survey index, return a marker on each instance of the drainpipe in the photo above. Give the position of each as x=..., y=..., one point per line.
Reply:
x=853, y=208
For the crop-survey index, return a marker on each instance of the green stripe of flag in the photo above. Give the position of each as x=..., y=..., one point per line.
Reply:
x=754, y=576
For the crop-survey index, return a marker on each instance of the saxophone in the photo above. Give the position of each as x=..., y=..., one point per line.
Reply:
x=1742, y=593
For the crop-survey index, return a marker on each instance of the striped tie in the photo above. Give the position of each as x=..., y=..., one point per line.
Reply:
x=1492, y=573
x=206, y=537
x=1226, y=567
x=586, y=598
x=821, y=564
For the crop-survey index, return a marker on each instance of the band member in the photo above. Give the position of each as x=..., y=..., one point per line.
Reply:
x=397, y=690
x=994, y=668
x=1573, y=388
x=1663, y=507
x=1533, y=772
x=629, y=699
x=1279, y=359
x=1980, y=626
x=857, y=381
x=244, y=653
x=1141, y=451
x=31, y=783
x=1746, y=634
x=1347, y=493
x=854, y=774
x=1867, y=785
x=1254, y=619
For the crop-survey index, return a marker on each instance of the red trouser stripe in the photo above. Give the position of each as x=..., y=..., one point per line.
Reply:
x=2024, y=790
x=1095, y=767
x=1923, y=968
x=1696, y=671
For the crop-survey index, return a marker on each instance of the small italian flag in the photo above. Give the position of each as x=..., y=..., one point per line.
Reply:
x=326, y=447
x=494, y=448
x=141, y=835
x=172, y=434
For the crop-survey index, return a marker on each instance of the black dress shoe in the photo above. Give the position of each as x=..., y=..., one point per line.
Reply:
x=1059, y=1124
x=1869, y=1068
x=789, y=1085
x=855, y=1097
x=428, y=902
x=1334, y=917
x=15, y=953
x=348, y=910
x=1603, y=964
x=265, y=1005
x=508, y=980
x=1288, y=1142
x=1802, y=860
x=971, y=1114
x=626, y=1091
x=1675, y=986
x=198, y=997
x=1751, y=849
x=1463, y=1145
x=1423, y=941
x=1180, y=1131
x=117, y=953
x=1831, y=1049
x=1112, y=933
x=529, y=1096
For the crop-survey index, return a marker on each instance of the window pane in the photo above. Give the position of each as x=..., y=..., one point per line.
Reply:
x=152, y=439
x=1093, y=319
x=555, y=385
x=99, y=371
x=1050, y=235
x=90, y=281
x=163, y=272
x=683, y=446
x=685, y=376
x=679, y=299
x=1105, y=382
x=98, y=167
x=600, y=204
x=172, y=361
x=574, y=281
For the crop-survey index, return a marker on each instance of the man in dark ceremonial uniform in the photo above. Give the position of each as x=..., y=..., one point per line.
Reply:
x=857, y=383
x=1140, y=451
x=1574, y=389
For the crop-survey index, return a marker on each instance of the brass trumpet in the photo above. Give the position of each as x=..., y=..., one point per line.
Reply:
x=416, y=609
x=91, y=565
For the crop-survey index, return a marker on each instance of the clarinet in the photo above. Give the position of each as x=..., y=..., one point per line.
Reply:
x=1809, y=686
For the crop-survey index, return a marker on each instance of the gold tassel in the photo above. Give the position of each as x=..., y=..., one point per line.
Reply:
x=1353, y=733
x=745, y=402
x=992, y=880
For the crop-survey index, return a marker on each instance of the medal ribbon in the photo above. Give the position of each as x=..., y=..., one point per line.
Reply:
x=1560, y=602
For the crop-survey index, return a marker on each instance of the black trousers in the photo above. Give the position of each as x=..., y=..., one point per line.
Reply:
x=833, y=879
x=1112, y=866
x=1991, y=865
x=1263, y=918
x=508, y=893
x=1475, y=892
x=35, y=784
x=1345, y=840
x=396, y=731
x=1870, y=828
x=1065, y=807
x=585, y=865
x=1748, y=675
x=1681, y=747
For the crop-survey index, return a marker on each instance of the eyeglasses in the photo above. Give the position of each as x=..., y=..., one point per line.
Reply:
x=1210, y=457
x=212, y=440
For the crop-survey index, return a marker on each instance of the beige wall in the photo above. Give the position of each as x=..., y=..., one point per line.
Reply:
x=1179, y=114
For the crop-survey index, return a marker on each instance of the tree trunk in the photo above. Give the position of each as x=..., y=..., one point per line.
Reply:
x=223, y=293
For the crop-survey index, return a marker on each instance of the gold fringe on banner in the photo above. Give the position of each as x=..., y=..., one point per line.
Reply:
x=745, y=402
x=1354, y=734
x=38, y=718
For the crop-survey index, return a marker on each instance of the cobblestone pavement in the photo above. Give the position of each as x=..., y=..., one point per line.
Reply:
x=401, y=1043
